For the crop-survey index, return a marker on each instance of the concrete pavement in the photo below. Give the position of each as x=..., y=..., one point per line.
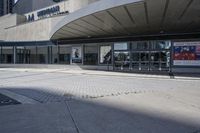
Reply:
x=96, y=103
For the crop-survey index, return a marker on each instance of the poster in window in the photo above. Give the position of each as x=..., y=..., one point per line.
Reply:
x=105, y=54
x=186, y=53
x=76, y=55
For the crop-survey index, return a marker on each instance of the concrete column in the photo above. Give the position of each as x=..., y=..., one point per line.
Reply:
x=112, y=56
x=14, y=55
x=1, y=54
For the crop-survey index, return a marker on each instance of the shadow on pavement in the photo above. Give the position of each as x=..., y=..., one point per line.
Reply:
x=86, y=115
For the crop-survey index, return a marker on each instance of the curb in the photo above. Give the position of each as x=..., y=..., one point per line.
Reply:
x=20, y=98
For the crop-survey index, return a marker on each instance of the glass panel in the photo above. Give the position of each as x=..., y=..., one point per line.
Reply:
x=122, y=60
x=7, y=55
x=155, y=60
x=42, y=53
x=121, y=46
x=144, y=57
x=91, y=54
x=0, y=54
x=64, y=54
x=159, y=45
x=135, y=56
x=165, y=60
x=31, y=55
x=134, y=45
x=135, y=61
x=54, y=54
x=154, y=56
x=105, y=54
x=20, y=55
x=142, y=45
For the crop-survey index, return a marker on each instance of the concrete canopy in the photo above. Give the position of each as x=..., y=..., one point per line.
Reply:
x=109, y=18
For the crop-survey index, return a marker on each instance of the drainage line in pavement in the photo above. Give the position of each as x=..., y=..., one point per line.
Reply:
x=75, y=124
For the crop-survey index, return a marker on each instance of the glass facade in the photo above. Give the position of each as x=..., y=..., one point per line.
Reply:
x=122, y=56
x=7, y=55
x=142, y=56
x=64, y=54
x=90, y=54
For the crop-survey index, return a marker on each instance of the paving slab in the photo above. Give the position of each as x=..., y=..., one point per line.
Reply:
x=5, y=100
x=36, y=118
x=135, y=113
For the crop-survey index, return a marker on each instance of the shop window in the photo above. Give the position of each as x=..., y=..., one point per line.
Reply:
x=91, y=54
x=64, y=53
x=122, y=60
x=55, y=54
x=31, y=55
x=42, y=55
x=7, y=55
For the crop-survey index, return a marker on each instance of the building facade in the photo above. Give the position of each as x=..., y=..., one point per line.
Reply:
x=6, y=7
x=129, y=35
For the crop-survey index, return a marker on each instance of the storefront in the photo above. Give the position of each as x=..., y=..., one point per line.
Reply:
x=130, y=56
x=128, y=36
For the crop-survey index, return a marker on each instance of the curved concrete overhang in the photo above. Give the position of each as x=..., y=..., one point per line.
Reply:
x=108, y=18
x=96, y=7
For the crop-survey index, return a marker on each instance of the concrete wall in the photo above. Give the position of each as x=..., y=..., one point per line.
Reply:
x=64, y=6
x=12, y=29
x=32, y=31
x=9, y=20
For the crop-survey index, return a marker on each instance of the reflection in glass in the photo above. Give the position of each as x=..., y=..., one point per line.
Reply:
x=121, y=46
x=22, y=55
x=7, y=55
x=135, y=56
x=159, y=45
x=54, y=54
x=42, y=54
x=142, y=45
x=90, y=54
x=64, y=54
x=122, y=60
x=31, y=57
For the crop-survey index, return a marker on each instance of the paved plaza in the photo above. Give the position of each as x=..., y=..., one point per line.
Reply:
x=83, y=101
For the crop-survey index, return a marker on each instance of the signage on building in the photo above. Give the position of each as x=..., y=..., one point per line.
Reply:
x=48, y=11
x=45, y=12
x=186, y=54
